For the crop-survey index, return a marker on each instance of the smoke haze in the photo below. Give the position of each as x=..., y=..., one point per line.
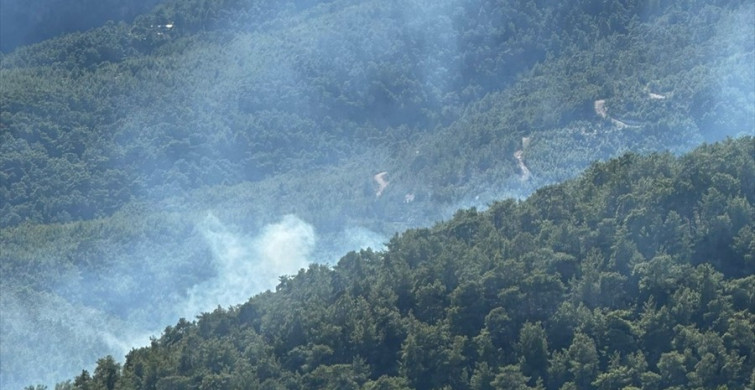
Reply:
x=378, y=84
x=106, y=312
x=245, y=266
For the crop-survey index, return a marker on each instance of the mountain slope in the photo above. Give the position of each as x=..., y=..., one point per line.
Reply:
x=31, y=21
x=437, y=95
x=638, y=273
x=144, y=163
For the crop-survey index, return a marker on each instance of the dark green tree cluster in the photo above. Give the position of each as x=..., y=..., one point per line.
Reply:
x=638, y=274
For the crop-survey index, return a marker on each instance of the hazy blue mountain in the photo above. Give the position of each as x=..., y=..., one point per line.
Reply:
x=24, y=22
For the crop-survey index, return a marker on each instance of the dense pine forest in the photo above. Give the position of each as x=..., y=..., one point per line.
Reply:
x=638, y=274
x=163, y=159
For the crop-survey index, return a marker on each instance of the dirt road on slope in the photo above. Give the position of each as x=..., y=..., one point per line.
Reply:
x=601, y=111
x=382, y=183
x=519, y=156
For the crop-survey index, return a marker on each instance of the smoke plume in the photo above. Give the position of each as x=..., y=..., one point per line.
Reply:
x=245, y=266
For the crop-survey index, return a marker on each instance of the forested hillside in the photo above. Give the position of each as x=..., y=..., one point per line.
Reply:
x=439, y=95
x=638, y=274
x=164, y=162
x=23, y=22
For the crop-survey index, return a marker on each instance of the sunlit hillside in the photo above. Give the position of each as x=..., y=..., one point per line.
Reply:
x=164, y=158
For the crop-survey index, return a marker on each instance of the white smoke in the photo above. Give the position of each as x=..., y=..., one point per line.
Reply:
x=45, y=338
x=359, y=237
x=245, y=266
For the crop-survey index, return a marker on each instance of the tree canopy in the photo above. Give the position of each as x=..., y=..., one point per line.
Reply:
x=606, y=281
x=149, y=149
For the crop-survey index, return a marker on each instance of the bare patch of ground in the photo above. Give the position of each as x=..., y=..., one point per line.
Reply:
x=520, y=162
x=600, y=108
x=382, y=183
x=601, y=111
x=519, y=156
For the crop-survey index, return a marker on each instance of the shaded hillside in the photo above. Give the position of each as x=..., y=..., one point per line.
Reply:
x=24, y=22
x=638, y=273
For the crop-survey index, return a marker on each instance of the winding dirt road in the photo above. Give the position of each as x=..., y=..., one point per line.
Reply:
x=519, y=155
x=382, y=183
x=601, y=111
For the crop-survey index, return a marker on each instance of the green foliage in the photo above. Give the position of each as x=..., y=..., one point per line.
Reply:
x=139, y=111
x=114, y=141
x=489, y=324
